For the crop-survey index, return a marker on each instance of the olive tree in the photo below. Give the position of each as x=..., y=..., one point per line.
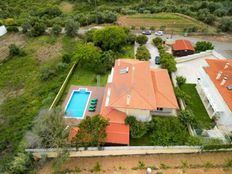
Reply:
x=71, y=27
x=143, y=53
x=141, y=39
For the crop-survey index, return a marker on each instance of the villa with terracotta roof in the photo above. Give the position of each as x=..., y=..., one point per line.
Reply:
x=215, y=88
x=134, y=89
x=182, y=48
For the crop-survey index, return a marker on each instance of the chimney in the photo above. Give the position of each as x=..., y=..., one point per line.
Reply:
x=219, y=74
x=226, y=65
x=224, y=81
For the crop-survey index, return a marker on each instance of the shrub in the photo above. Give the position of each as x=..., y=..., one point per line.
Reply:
x=46, y=74
x=97, y=167
x=56, y=29
x=157, y=41
x=71, y=27
x=9, y=21
x=131, y=38
x=66, y=58
x=12, y=29
x=137, y=128
x=180, y=81
x=20, y=163
x=143, y=53
x=203, y=46
x=152, y=28
x=61, y=66
x=15, y=51
x=133, y=27
x=187, y=117
x=142, y=28
x=141, y=39
x=168, y=62
x=181, y=94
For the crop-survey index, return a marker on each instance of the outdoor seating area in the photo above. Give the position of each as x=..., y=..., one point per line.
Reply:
x=93, y=104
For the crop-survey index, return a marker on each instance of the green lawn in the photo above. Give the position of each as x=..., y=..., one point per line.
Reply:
x=196, y=105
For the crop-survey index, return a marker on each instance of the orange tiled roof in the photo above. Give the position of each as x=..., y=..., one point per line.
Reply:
x=164, y=93
x=136, y=85
x=212, y=70
x=118, y=134
x=182, y=45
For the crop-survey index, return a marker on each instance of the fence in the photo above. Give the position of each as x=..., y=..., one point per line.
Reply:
x=117, y=151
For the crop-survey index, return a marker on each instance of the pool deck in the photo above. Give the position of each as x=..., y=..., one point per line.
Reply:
x=97, y=92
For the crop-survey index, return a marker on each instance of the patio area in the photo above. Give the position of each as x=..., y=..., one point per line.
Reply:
x=96, y=92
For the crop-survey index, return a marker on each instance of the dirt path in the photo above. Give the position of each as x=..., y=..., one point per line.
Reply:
x=210, y=163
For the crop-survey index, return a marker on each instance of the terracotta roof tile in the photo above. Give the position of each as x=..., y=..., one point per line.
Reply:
x=212, y=70
x=182, y=45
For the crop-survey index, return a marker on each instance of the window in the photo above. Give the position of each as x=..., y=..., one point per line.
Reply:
x=159, y=109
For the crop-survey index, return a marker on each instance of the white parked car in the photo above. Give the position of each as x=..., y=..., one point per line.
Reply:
x=159, y=33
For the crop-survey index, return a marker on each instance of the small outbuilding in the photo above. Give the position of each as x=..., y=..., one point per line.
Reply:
x=182, y=48
x=3, y=30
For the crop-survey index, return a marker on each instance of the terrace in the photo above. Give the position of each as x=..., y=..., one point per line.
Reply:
x=95, y=92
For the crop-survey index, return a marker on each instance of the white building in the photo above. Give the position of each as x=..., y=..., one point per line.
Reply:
x=215, y=89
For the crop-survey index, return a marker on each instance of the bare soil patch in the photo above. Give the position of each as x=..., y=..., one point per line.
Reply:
x=127, y=164
x=219, y=38
x=66, y=7
x=11, y=38
x=48, y=51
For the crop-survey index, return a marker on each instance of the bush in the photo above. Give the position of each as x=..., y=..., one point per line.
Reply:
x=131, y=38
x=157, y=41
x=71, y=27
x=15, y=51
x=61, y=66
x=46, y=74
x=137, y=128
x=203, y=46
x=181, y=94
x=225, y=24
x=66, y=58
x=9, y=21
x=56, y=29
x=143, y=53
x=168, y=62
x=142, y=28
x=141, y=39
x=152, y=28
x=187, y=117
x=180, y=81
x=12, y=29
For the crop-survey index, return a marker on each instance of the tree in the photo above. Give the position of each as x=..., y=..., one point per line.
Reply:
x=137, y=128
x=88, y=55
x=181, y=94
x=157, y=41
x=37, y=29
x=92, y=131
x=49, y=126
x=71, y=27
x=225, y=24
x=203, y=46
x=20, y=163
x=66, y=58
x=187, y=117
x=110, y=38
x=141, y=39
x=168, y=62
x=143, y=53
x=131, y=38
x=180, y=81
x=56, y=29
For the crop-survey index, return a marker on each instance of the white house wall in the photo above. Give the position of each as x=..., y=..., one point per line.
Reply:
x=139, y=114
x=225, y=118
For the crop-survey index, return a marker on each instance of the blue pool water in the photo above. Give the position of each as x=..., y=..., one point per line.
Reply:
x=77, y=104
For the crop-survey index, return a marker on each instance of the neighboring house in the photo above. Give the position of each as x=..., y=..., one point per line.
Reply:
x=3, y=30
x=182, y=48
x=215, y=89
x=135, y=89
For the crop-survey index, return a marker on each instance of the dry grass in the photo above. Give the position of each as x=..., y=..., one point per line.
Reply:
x=6, y=40
x=66, y=7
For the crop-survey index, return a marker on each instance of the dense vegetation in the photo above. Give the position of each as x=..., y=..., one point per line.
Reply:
x=52, y=13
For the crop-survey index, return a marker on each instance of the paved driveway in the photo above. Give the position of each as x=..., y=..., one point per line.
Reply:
x=152, y=49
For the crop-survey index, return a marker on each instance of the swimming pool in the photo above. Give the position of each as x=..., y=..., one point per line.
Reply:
x=77, y=103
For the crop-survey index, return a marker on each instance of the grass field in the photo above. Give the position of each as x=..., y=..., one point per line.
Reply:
x=196, y=105
x=172, y=21
x=23, y=93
